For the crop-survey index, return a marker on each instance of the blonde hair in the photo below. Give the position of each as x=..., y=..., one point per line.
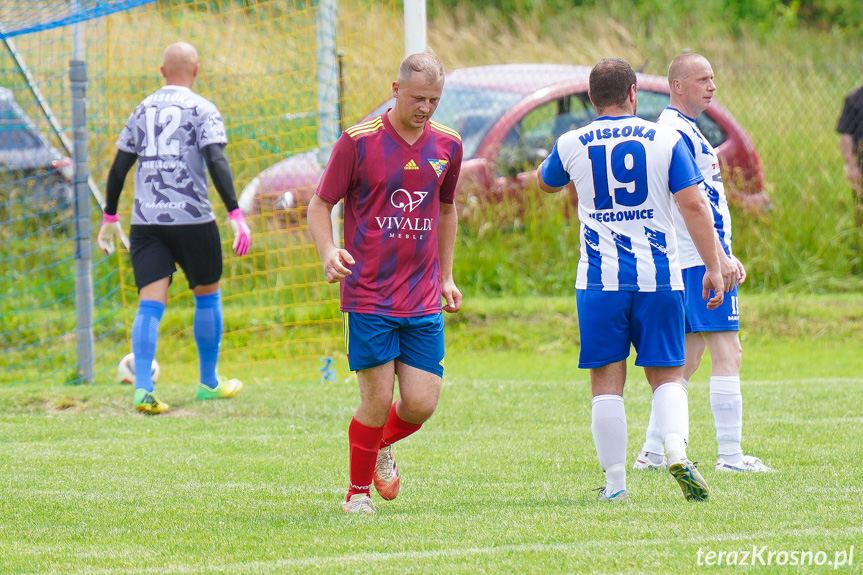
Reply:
x=426, y=62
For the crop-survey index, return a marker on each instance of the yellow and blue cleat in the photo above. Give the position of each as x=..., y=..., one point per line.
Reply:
x=146, y=402
x=691, y=482
x=226, y=388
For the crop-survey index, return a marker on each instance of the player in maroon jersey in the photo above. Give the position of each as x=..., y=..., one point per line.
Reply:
x=397, y=175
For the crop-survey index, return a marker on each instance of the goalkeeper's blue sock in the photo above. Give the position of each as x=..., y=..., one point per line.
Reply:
x=145, y=338
x=208, y=335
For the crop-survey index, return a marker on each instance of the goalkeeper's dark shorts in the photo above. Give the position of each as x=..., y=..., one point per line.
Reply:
x=157, y=250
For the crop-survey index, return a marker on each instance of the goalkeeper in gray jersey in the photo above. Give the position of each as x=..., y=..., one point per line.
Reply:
x=173, y=136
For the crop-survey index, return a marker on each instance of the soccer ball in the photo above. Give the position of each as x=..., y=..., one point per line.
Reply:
x=126, y=369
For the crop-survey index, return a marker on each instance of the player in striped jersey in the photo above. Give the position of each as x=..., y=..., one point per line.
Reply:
x=170, y=137
x=397, y=175
x=690, y=78
x=627, y=172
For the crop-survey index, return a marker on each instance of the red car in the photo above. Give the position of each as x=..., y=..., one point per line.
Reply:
x=509, y=116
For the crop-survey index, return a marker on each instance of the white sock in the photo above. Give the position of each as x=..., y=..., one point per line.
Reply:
x=608, y=424
x=653, y=443
x=672, y=417
x=615, y=479
x=727, y=405
x=653, y=440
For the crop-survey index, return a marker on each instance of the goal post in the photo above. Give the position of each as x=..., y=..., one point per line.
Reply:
x=415, y=26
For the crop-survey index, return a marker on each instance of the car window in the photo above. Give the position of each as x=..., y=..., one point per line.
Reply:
x=531, y=140
x=539, y=128
x=543, y=125
x=472, y=112
x=651, y=104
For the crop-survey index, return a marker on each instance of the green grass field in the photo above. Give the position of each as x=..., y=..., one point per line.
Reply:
x=498, y=481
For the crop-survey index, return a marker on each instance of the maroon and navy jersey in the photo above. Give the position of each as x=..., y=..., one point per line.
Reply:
x=392, y=193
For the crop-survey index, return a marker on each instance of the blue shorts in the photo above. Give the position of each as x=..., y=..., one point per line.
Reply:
x=609, y=321
x=698, y=318
x=372, y=340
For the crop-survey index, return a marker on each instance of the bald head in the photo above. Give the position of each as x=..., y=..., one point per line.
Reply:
x=180, y=64
x=690, y=80
x=682, y=66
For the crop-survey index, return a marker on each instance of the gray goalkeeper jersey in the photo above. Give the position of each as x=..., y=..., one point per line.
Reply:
x=167, y=131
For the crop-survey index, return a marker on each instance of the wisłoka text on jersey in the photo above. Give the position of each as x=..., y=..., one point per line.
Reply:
x=624, y=132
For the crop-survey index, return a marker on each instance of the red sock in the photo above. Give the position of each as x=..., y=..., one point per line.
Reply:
x=397, y=428
x=364, y=441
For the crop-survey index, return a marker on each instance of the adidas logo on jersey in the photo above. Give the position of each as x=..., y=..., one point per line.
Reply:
x=411, y=166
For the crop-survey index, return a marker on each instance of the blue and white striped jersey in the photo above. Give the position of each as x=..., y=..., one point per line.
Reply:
x=711, y=187
x=167, y=131
x=625, y=171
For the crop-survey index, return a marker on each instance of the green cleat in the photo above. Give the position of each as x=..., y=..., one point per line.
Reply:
x=226, y=388
x=146, y=402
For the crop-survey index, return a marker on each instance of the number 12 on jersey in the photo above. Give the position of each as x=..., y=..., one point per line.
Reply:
x=168, y=120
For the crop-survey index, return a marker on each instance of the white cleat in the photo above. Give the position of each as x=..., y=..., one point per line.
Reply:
x=617, y=497
x=750, y=463
x=360, y=504
x=643, y=461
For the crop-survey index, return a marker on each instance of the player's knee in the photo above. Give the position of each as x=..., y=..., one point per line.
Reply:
x=729, y=363
x=419, y=411
x=379, y=401
x=737, y=354
x=205, y=289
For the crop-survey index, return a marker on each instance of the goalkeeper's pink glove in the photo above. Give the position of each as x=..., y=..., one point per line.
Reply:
x=109, y=230
x=242, y=233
